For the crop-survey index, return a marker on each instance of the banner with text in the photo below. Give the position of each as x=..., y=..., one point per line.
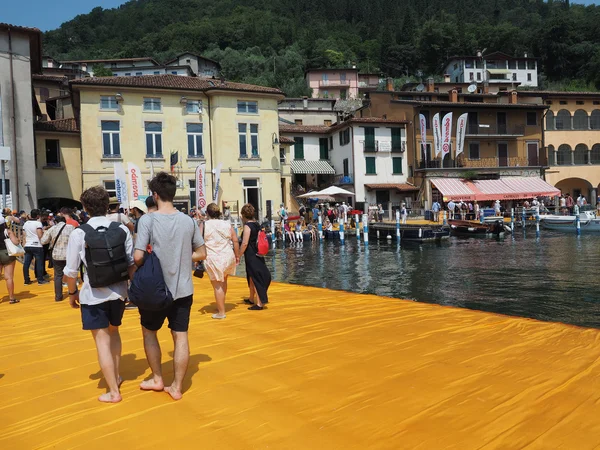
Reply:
x=200, y=187
x=461, y=129
x=437, y=134
x=121, y=185
x=217, y=182
x=423, y=125
x=136, y=181
x=446, y=134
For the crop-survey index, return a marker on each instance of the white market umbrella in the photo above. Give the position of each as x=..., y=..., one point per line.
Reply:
x=312, y=194
x=334, y=190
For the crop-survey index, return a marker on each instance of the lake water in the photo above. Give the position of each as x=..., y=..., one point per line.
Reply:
x=553, y=278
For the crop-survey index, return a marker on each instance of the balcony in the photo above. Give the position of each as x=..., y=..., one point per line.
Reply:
x=490, y=130
x=342, y=180
x=330, y=83
x=484, y=163
x=365, y=85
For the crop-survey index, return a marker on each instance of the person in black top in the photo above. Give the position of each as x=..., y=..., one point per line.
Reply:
x=257, y=272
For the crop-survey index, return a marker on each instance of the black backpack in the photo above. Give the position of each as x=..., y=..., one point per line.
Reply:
x=105, y=254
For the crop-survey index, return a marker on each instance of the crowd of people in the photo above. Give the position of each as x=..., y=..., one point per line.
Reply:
x=98, y=252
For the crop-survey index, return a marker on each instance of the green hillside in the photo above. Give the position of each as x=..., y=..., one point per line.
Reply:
x=272, y=42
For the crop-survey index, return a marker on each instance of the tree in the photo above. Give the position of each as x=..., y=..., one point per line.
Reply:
x=101, y=71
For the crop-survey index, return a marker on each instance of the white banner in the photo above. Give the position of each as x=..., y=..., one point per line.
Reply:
x=121, y=185
x=446, y=134
x=461, y=129
x=151, y=176
x=200, y=188
x=217, y=182
x=9, y=203
x=136, y=181
x=423, y=125
x=437, y=134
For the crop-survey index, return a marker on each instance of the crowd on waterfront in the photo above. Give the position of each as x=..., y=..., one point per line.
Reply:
x=104, y=256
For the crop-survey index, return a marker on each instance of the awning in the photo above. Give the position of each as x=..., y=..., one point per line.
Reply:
x=312, y=167
x=402, y=187
x=508, y=188
x=498, y=71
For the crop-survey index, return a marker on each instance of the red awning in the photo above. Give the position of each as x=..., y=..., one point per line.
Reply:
x=398, y=186
x=509, y=188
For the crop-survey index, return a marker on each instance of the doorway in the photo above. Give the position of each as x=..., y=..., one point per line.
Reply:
x=252, y=195
x=501, y=122
x=502, y=154
x=382, y=197
x=532, y=154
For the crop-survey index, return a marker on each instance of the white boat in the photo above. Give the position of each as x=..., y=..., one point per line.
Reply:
x=587, y=222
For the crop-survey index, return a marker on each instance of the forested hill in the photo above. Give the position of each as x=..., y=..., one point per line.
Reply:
x=272, y=42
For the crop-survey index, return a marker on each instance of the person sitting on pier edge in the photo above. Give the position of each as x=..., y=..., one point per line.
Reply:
x=298, y=230
x=313, y=232
x=288, y=232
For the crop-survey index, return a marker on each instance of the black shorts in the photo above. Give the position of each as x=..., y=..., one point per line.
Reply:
x=95, y=317
x=178, y=315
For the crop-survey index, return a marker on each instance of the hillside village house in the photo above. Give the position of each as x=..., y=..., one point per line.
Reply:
x=308, y=111
x=344, y=83
x=20, y=48
x=144, y=119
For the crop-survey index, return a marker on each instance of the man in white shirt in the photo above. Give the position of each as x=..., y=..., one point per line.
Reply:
x=102, y=307
x=451, y=208
x=34, y=231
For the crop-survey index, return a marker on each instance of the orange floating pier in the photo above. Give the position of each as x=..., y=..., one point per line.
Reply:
x=319, y=369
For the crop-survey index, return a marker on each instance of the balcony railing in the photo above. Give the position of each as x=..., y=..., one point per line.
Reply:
x=334, y=83
x=341, y=179
x=484, y=163
x=365, y=84
x=474, y=129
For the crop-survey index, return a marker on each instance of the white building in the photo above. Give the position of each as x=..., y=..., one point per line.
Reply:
x=308, y=111
x=495, y=68
x=199, y=65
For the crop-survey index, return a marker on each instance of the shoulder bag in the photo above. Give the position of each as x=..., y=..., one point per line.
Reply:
x=11, y=248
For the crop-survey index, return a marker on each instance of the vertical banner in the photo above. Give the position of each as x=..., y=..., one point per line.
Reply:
x=423, y=125
x=136, y=182
x=446, y=134
x=121, y=185
x=437, y=134
x=217, y=182
x=200, y=189
x=461, y=129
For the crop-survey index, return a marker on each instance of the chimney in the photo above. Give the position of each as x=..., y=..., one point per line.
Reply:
x=525, y=54
x=430, y=85
x=305, y=102
x=486, y=87
x=454, y=95
x=389, y=84
x=513, y=98
x=446, y=78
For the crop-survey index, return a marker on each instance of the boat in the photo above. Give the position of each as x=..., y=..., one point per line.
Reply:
x=424, y=234
x=468, y=228
x=588, y=222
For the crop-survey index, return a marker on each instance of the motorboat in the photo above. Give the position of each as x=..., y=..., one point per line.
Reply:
x=588, y=222
x=468, y=228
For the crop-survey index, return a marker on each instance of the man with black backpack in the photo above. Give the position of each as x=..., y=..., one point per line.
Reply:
x=106, y=250
x=176, y=242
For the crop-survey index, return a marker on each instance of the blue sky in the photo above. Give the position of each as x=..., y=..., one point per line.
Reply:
x=47, y=15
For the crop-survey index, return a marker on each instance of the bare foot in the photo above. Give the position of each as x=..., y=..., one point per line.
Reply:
x=110, y=398
x=151, y=385
x=175, y=394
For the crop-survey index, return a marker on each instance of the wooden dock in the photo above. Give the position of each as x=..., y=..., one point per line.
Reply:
x=319, y=369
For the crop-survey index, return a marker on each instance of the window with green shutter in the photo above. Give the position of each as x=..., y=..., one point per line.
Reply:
x=370, y=161
x=396, y=139
x=370, y=139
x=299, y=148
x=323, y=148
x=397, y=166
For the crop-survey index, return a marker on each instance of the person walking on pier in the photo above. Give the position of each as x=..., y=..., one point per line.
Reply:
x=58, y=238
x=435, y=210
x=451, y=209
x=257, y=272
x=34, y=231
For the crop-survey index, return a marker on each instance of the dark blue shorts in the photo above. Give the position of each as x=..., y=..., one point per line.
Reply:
x=95, y=317
x=178, y=315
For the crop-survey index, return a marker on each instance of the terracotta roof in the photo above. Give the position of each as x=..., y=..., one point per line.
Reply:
x=318, y=129
x=53, y=78
x=4, y=26
x=397, y=186
x=557, y=93
x=473, y=104
x=286, y=140
x=174, y=82
x=60, y=125
x=108, y=60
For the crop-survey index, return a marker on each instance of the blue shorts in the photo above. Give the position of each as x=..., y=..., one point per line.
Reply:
x=95, y=317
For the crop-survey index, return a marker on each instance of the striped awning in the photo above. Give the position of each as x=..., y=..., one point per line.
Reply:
x=508, y=188
x=319, y=167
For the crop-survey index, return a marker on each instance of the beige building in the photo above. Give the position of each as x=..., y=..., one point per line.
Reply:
x=145, y=119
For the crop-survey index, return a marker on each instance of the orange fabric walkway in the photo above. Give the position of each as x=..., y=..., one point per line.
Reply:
x=319, y=369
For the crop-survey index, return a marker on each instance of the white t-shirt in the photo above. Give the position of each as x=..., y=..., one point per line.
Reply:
x=31, y=237
x=119, y=217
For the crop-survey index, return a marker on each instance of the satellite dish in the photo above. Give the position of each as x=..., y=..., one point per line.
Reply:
x=420, y=87
x=472, y=88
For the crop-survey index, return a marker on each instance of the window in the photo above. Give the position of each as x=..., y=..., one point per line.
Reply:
x=563, y=120
x=299, y=148
x=471, y=76
x=156, y=72
x=580, y=102
x=282, y=155
x=137, y=74
x=528, y=77
x=193, y=107
x=244, y=107
x=323, y=149
x=550, y=126
x=194, y=135
x=153, y=139
x=548, y=102
x=152, y=104
x=563, y=155
x=512, y=64
x=108, y=102
x=580, y=120
x=531, y=118
x=174, y=72
x=478, y=76
x=595, y=120
x=110, y=188
x=298, y=121
x=397, y=165
x=455, y=66
x=345, y=137
x=346, y=165
x=331, y=142
x=370, y=144
x=563, y=102
x=522, y=65
x=52, y=153
x=396, y=139
x=580, y=155
x=596, y=102
x=127, y=74
x=370, y=162
x=110, y=139
x=254, y=139
x=514, y=77
x=594, y=155
x=188, y=61
x=474, y=150
x=327, y=123
x=243, y=129
x=469, y=64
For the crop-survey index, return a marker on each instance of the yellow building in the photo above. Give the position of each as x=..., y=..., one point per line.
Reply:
x=144, y=119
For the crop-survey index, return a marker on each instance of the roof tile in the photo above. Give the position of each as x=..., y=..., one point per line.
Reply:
x=60, y=125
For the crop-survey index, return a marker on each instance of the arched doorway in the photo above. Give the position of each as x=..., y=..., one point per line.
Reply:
x=576, y=186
